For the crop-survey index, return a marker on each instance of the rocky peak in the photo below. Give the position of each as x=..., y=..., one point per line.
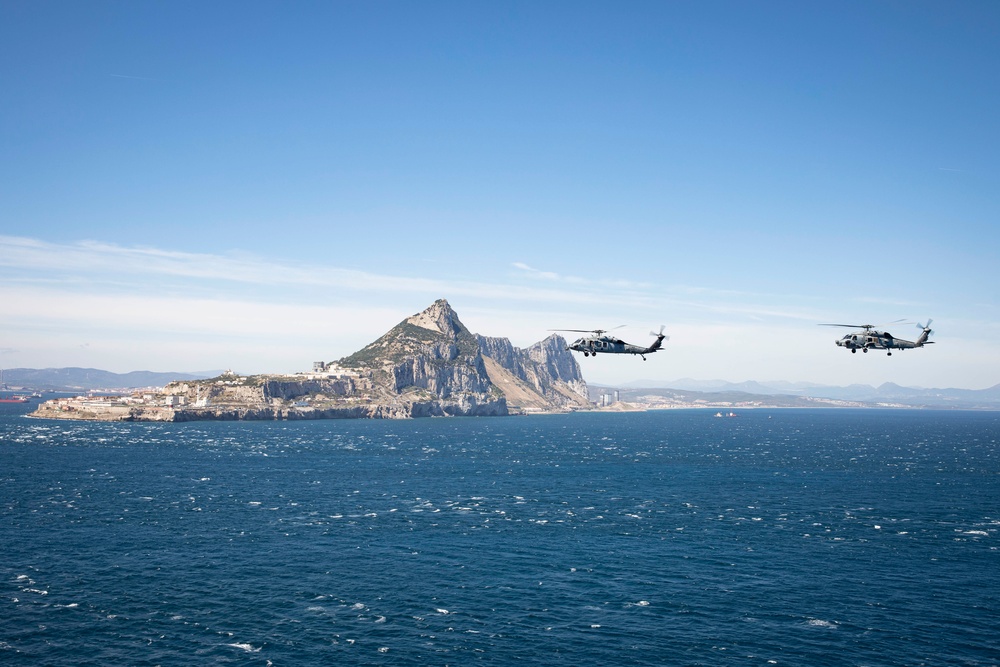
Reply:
x=439, y=317
x=434, y=353
x=435, y=332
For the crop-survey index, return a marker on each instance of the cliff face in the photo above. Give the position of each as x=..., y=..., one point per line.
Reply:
x=430, y=353
x=427, y=365
x=544, y=376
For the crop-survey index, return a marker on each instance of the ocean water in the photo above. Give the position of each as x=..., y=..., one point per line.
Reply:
x=779, y=537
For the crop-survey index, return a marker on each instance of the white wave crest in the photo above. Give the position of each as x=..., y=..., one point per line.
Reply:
x=249, y=648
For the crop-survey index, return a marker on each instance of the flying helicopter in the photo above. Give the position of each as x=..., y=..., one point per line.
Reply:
x=871, y=338
x=597, y=341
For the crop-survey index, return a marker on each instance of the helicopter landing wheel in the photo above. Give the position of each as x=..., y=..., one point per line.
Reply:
x=853, y=351
x=865, y=350
x=889, y=354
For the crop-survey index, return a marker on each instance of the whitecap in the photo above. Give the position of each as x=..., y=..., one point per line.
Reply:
x=249, y=648
x=820, y=623
x=442, y=611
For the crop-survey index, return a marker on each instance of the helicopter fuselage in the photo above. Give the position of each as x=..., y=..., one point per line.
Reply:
x=592, y=345
x=870, y=339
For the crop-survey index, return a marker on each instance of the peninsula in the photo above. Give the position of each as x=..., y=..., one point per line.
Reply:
x=428, y=365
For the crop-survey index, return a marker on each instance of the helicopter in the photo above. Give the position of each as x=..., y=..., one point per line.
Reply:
x=871, y=338
x=598, y=342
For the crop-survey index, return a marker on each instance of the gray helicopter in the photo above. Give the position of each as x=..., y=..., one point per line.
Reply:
x=871, y=338
x=598, y=342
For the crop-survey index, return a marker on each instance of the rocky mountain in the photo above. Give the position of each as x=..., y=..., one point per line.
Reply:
x=429, y=359
x=428, y=365
x=434, y=352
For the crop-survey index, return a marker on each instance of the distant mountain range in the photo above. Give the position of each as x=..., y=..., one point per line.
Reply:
x=885, y=393
x=85, y=379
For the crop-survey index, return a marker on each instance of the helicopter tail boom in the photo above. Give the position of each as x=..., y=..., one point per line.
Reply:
x=660, y=337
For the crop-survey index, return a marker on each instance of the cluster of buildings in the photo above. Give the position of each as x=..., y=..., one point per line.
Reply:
x=609, y=397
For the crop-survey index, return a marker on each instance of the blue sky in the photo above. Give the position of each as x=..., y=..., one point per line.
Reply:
x=257, y=185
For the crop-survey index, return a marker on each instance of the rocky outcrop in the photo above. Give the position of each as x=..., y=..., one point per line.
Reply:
x=428, y=365
x=544, y=376
x=431, y=353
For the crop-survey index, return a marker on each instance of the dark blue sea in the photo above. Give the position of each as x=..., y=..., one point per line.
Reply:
x=778, y=537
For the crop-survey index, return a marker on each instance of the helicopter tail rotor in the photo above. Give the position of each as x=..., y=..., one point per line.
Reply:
x=660, y=337
x=925, y=333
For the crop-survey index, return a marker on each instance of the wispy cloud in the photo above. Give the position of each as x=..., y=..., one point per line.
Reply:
x=692, y=299
x=111, y=306
x=34, y=260
x=530, y=272
x=81, y=265
x=113, y=296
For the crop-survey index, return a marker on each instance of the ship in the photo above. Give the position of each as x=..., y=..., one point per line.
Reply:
x=16, y=398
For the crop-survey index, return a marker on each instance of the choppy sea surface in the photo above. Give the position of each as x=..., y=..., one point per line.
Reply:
x=778, y=537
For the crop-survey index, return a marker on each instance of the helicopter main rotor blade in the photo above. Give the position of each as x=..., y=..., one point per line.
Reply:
x=593, y=331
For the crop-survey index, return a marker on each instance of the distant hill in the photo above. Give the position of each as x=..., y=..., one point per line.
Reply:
x=85, y=379
x=889, y=392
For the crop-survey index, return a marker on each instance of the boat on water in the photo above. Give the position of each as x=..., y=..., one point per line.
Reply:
x=15, y=398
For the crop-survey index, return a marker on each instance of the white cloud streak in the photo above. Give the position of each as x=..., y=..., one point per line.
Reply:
x=191, y=311
x=143, y=268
